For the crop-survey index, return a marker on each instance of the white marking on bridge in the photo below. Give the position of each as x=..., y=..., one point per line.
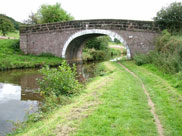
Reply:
x=95, y=31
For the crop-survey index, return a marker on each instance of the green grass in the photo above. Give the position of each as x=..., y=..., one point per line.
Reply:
x=175, y=80
x=113, y=43
x=11, y=57
x=118, y=106
x=12, y=34
x=114, y=104
x=124, y=110
x=168, y=100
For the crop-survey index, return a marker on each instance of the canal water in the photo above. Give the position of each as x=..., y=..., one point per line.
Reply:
x=17, y=96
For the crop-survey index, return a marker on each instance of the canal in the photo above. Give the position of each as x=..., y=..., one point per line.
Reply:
x=17, y=95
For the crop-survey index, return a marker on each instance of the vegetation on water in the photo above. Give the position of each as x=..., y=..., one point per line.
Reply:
x=170, y=17
x=98, y=49
x=12, y=57
x=49, y=14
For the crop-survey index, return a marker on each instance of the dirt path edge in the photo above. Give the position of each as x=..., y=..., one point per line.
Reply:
x=150, y=102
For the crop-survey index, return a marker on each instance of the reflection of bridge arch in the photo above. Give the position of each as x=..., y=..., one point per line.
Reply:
x=73, y=46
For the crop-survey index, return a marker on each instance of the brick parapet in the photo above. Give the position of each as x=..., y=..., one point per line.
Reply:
x=108, y=24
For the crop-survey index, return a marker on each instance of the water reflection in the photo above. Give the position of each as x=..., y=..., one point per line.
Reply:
x=9, y=92
x=17, y=96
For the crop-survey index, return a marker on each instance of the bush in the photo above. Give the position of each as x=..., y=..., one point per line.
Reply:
x=16, y=45
x=141, y=59
x=98, y=43
x=167, y=54
x=170, y=17
x=59, y=81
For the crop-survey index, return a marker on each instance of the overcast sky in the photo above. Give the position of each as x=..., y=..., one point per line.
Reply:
x=88, y=9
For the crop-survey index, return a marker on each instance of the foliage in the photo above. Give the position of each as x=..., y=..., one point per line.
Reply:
x=167, y=55
x=49, y=14
x=170, y=17
x=141, y=59
x=14, y=22
x=98, y=43
x=6, y=26
x=59, y=81
x=117, y=41
x=11, y=57
x=124, y=51
x=33, y=19
x=94, y=55
x=98, y=49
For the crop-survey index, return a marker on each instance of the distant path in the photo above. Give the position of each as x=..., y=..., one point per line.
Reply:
x=7, y=37
x=150, y=103
x=116, y=46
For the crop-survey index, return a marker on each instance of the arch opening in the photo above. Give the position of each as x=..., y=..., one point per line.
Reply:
x=72, y=49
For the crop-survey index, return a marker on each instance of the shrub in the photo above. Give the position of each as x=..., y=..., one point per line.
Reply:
x=141, y=59
x=98, y=43
x=59, y=81
x=16, y=45
x=167, y=54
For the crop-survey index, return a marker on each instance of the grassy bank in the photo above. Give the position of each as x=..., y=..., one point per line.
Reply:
x=167, y=54
x=115, y=104
x=12, y=34
x=167, y=99
x=11, y=57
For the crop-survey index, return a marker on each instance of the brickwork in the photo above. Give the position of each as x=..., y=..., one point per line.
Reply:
x=138, y=36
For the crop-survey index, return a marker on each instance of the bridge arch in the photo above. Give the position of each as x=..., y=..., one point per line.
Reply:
x=72, y=48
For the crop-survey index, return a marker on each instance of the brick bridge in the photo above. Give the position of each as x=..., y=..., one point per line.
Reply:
x=66, y=39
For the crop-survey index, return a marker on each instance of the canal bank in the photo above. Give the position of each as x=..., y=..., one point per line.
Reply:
x=18, y=97
x=114, y=103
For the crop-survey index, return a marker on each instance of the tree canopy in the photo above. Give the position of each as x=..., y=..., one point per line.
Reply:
x=170, y=17
x=49, y=14
x=15, y=23
x=98, y=43
x=6, y=26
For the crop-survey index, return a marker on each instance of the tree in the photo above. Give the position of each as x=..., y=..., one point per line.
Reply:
x=170, y=17
x=6, y=26
x=49, y=14
x=13, y=21
x=98, y=43
x=33, y=19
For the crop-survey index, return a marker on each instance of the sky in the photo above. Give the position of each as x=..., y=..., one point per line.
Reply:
x=88, y=9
